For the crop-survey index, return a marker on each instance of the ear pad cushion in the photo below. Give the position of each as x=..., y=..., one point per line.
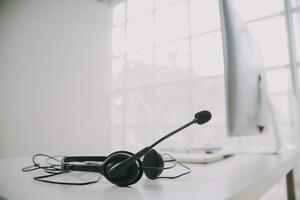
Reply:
x=153, y=164
x=128, y=176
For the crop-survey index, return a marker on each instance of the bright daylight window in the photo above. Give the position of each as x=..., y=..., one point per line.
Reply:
x=168, y=63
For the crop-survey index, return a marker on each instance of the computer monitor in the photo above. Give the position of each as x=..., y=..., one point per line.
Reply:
x=246, y=114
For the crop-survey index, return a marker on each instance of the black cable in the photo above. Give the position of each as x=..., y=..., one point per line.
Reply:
x=177, y=162
x=185, y=173
x=51, y=170
x=56, y=159
x=41, y=179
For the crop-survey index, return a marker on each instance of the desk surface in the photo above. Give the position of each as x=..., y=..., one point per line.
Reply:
x=238, y=177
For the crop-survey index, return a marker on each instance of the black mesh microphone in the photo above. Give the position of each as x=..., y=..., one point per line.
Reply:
x=200, y=118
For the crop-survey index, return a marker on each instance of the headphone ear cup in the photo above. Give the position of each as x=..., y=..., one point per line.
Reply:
x=128, y=176
x=153, y=164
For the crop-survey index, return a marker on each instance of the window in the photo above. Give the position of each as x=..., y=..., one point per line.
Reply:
x=168, y=58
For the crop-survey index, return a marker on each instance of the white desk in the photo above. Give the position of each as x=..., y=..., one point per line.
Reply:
x=239, y=177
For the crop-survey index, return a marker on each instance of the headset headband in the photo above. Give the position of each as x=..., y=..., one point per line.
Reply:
x=83, y=159
x=66, y=164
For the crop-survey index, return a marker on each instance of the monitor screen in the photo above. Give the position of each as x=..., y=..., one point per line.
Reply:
x=243, y=67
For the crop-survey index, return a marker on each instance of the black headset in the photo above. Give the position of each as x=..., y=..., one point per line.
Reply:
x=122, y=168
x=152, y=165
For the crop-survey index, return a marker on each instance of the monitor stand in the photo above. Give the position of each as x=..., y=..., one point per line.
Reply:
x=265, y=109
x=264, y=95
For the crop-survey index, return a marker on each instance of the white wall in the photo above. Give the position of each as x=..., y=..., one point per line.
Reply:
x=54, y=70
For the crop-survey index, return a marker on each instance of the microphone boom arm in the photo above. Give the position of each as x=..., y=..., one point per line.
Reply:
x=172, y=133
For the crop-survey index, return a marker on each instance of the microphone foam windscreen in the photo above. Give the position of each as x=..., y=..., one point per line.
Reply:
x=202, y=116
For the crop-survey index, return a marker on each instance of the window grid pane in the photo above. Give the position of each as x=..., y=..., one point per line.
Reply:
x=171, y=23
x=254, y=9
x=207, y=55
x=136, y=8
x=204, y=15
x=139, y=69
x=140, y=33
x=271, y=38
x=172, y=61
x=164, y=3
